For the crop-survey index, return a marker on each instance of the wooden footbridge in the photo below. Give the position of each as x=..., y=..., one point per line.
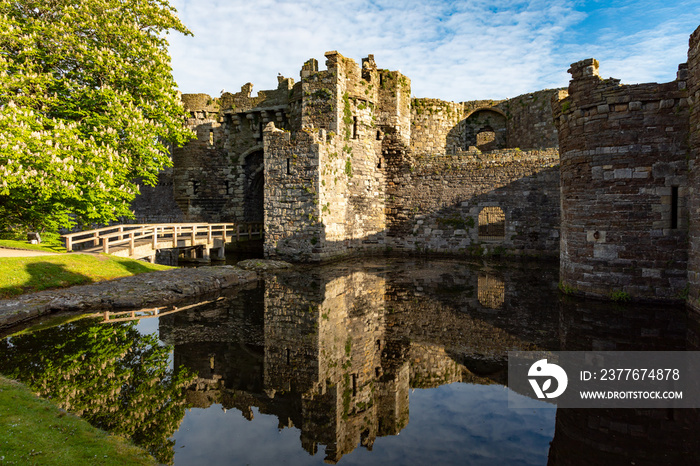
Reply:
x=200, y=240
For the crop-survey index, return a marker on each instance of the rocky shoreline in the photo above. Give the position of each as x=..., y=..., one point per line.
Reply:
x=143, y=290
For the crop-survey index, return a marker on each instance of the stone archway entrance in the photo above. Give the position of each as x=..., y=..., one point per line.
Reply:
x=254, y=191
x=484, y=129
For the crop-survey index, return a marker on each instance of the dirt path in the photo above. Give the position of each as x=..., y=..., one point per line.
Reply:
x=6, y=252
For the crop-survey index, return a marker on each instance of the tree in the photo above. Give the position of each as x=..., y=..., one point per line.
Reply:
x=88, y=106
x=108, y=374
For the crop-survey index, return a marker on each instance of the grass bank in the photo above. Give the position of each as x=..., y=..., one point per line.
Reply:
x=37, y=432
x=19, y=275
x=51, y=242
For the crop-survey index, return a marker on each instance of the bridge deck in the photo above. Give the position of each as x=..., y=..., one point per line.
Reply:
x=142, y=241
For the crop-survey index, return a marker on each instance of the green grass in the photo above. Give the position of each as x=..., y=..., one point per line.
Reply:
x=19, y=275
x=37, y=432
x=50, y=242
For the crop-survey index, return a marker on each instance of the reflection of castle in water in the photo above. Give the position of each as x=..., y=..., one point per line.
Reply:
x=643, y=437
x=335, y=351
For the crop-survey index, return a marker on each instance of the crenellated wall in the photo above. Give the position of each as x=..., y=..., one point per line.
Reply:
x=344, y=162
x=624, y=186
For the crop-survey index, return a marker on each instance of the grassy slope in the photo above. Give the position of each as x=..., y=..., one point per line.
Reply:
x=51, y=242
x=12, y=244
x=20, y=275
x=34, y=431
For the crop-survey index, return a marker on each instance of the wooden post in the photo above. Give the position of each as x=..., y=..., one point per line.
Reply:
x=121, y=230
x=96, y=239
x=250, y=231
x=69, y=243
x=131, y=244
x=209, y=234
x=238, y=233
x=174, y=227
x=193, y=234
x=223, y=234
x=155, y=238
x=105, y=245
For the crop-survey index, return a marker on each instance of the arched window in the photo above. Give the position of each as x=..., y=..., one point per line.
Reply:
x=492, y=224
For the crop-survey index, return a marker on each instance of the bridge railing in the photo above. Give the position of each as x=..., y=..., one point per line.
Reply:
x=118, y=235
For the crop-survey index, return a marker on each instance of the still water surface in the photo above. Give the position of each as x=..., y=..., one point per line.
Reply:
x=374, y=362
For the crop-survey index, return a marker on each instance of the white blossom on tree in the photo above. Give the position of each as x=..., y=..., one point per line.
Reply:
x=88, y=106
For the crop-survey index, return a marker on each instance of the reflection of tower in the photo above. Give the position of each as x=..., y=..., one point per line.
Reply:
x=323, y=340
x=624, y=436
x=491, y=291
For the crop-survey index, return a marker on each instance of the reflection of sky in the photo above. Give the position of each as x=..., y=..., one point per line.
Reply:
x=149, y=326
x=452, y=424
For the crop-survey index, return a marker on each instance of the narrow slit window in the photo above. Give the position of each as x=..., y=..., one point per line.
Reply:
x=211, y=137
x=674, y=207
x=354, y=384
x=354, y=127
x=288, y=356
x=288, y=166
x=379, y=135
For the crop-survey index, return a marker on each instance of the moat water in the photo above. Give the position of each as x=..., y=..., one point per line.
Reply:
x=383, y=361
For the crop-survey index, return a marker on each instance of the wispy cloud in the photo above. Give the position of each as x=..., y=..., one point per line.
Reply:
x=453, y=50
x=638, y=41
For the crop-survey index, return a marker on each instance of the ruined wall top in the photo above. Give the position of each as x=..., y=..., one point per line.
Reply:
x=585, y=68
x=199, y=102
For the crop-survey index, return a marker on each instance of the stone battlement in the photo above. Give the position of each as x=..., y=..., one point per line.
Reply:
x=345, y=162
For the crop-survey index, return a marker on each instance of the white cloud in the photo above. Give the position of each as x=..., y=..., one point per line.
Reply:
x=459, y=50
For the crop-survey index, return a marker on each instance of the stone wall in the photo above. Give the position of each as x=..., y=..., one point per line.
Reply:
x=434, y=126
x=434, y=202
x=693, y=82
x=156, y=204
x=293, y=226
x=324, y=195
x=530, y=122
x=624, y=186
x=202, y=175
x=340, y=139
x=524, y=122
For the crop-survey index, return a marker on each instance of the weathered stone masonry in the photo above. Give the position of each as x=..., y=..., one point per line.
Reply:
x=624, y=173
x=693, y=84
x=345, y=161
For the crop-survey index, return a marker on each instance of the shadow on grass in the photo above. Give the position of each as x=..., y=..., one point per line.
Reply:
x=134, y=267
x=43, y=276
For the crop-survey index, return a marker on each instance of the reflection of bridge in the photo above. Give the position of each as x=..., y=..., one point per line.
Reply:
x=141, y=241
x=109, y=317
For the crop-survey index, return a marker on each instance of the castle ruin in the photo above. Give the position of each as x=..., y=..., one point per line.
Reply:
x=346, y=162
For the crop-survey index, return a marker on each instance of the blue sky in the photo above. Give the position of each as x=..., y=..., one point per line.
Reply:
x=451, y=50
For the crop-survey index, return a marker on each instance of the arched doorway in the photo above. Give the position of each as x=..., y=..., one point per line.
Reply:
x=254, y=194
